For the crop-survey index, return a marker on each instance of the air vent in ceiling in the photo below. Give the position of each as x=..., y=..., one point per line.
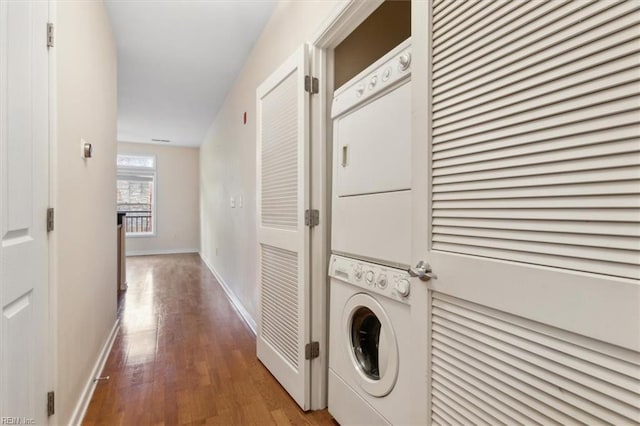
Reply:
x=161, y=140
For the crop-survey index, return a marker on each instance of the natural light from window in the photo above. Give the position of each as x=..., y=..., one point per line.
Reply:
x=136, y=193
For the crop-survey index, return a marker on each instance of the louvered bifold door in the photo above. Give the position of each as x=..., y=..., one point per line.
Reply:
x=534, y=211
x=283, y=237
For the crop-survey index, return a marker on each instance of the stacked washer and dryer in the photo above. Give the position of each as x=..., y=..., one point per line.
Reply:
x=370, y=376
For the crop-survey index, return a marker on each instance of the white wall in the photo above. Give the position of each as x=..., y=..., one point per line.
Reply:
x=177, y=208
x=84, y=245
x=228, y=157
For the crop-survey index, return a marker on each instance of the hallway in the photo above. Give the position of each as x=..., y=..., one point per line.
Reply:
x=184, y=356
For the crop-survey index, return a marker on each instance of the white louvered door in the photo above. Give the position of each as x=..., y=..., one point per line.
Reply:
x=532, y=199
x=283, y=237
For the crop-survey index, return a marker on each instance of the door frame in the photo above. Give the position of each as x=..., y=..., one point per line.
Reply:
x=339, y=24
x=52, y=343
x=420, y=203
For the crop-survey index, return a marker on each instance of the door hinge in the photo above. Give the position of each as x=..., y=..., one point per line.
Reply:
x=312, y=218
x=310, y=84
x=312, y=350
x=50, y=219
x=49, y=34
x=51, y=404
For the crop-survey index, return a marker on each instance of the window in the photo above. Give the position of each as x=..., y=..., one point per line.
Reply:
x=136, y=193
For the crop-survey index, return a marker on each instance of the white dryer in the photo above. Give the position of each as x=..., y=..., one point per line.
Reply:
x=370, y=345
x=372, y=162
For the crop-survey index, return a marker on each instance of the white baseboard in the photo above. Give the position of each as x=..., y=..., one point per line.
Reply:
x=85, y=397
x=235, y=302
x=155, y=252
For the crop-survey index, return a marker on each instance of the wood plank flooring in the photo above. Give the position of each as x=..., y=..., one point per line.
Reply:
x=184, y=356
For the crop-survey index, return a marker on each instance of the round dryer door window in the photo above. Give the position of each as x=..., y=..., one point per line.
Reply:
x=371, y=344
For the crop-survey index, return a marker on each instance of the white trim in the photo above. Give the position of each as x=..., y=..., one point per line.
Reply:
x=421, y=163
x=345, y=18
x=85, y=397
x=52, y=374
x=156, y=252
x=321, y=143
x=342, y=21
x=235, y=302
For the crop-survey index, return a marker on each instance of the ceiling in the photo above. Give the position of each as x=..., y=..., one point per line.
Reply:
x=176, y=62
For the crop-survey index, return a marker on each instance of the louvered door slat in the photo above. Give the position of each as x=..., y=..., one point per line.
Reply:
x=619, y=87
x=484, y=15
x=566, y=24
x=511, y=15
x=607, y=142
x=446, y=7
x=283, y=239
x=595, y=188
x=490, y=415
x=493, y=61
x=279, y=315
x=536, y=402
x=601, y=128
x=608, y=74
x=280, y=133
x=572, y=115
x=550, y=361
x=536, y=119
x=622, y=43
x=461, y=14
x=509, y=179
x=612, y=229
x=560, y=237
x=535, y=212
x=608, y=367
x=497, y=395
x=522, y=358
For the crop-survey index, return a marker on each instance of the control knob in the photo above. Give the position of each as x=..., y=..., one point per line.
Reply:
x=404, y=61
x=358, y=272
x=403, y=288
x=373, y=82
x=382, y=281
x=369, y=277
x=386, y=74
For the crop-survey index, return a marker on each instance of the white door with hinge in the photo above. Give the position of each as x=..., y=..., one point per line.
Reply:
x=24, y=171
x=283, y=238
x=527, y=210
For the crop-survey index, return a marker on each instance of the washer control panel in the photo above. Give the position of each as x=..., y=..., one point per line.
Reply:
x=392, y=68
x=390, y=282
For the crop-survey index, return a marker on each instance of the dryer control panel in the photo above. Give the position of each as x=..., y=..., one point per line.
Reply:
x=376, y=79
x=390, y=282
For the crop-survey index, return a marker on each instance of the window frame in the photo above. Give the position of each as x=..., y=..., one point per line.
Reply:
x=138, y=170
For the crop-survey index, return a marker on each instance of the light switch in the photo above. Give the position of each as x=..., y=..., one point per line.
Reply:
x=240, y=202
x=232, y=202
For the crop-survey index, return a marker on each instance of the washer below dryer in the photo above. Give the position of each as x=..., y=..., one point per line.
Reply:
x=370, y=379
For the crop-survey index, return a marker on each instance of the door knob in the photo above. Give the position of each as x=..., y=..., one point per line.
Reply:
x=422, y=271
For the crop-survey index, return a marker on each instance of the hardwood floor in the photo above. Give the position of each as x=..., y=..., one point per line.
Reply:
x=184, y=356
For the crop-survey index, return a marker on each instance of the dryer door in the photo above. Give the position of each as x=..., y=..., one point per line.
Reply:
x=373, y=145
x=372, y=345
